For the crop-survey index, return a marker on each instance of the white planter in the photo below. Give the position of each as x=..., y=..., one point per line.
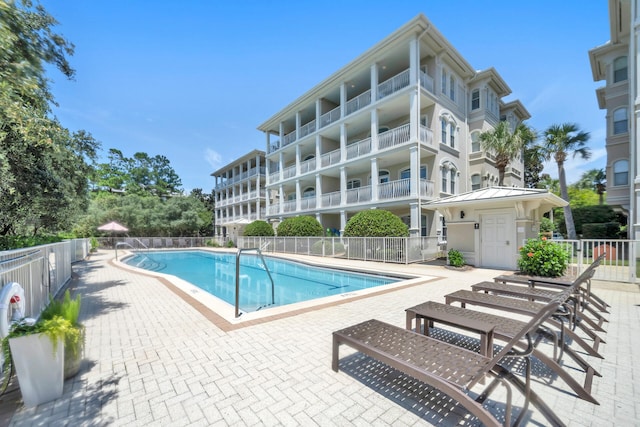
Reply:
x=39, y=369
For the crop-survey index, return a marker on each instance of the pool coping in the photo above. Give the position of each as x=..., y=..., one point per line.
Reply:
x=222, y=314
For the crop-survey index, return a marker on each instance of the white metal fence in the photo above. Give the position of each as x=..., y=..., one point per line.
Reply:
x=41, y=270
x=401, y=250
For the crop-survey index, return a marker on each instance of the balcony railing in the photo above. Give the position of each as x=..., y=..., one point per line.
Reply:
x=308, y=203
x=359, y=195
x=274, y=177
x=358, y=149
x=308, y=166
x=289, y=206
x=332, y=116
x=394, y=84
x=331, y=199
x=426, y=81
x=358, y=102
x=393, y=137
x=289, y=172
x=426, y=135
x=394, y=189
x=289, y=138
x=308, y=128
x=330, y=158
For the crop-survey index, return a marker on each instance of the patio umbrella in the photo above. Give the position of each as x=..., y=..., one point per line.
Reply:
x=113, y=226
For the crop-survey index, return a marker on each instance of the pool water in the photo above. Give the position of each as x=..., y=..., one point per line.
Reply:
x=292, y=282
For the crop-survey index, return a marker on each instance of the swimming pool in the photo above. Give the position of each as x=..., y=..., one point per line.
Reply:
x=215, y=273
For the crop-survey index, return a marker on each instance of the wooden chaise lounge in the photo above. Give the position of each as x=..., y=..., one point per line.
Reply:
x=446, y=367
x=504, y=329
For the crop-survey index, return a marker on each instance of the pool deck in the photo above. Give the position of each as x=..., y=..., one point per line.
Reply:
x=155, y=357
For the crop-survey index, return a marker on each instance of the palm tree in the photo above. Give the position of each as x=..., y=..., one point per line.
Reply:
x=559, y=142
x=600, y=184
x=506, y=145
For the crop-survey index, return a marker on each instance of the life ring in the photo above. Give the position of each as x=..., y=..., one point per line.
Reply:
x=11, y=297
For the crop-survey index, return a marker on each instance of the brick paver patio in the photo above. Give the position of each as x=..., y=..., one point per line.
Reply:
x=153, y=359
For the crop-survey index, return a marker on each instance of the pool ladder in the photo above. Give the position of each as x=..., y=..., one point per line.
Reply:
x=273, y=292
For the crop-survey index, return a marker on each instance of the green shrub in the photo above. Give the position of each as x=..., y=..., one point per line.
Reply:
x=330, y=247
x=455, y=258
x=258, y=228
x=300, y=226
x=542, y=257
x=605, y=230
x=375, y=223
x=17, y=242
x=212, y=243
x=230, y=244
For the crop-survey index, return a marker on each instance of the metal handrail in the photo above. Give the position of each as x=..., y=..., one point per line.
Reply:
x=273, y=292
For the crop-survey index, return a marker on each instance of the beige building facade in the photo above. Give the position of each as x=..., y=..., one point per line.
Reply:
x=615, y=63
x=395, y=128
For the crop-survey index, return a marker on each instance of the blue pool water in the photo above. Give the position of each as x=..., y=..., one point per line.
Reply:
x=215, y=273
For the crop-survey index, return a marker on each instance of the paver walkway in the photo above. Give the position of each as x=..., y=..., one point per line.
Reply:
x=152, y=359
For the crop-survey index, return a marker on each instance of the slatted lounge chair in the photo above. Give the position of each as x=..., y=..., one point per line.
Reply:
x=546, y=294
x=504, y=329
x=560, y=283
x=446, y=367
x=521, y=306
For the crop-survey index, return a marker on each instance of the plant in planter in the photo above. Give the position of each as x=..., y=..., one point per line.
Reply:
x=68, y=309
x=36, y=350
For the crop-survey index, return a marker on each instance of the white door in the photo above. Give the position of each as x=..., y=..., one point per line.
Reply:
x=497, y=240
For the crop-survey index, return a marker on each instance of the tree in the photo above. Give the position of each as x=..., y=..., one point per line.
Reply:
x=44, y=169
x=551, y=184
x=594, y=179
x=505, y=144
x=560, y=141
x=533, y=165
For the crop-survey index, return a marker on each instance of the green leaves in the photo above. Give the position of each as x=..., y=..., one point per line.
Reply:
x=375, y=223
x=543, y=258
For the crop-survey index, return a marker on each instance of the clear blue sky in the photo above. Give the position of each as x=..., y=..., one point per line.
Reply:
x=192, y=80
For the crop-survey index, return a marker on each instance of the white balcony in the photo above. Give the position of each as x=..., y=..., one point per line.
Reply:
x=358, y=149
x=308, y=166
x=308, y=128
x=358, y=102
x=332, y=116
x=393, y=85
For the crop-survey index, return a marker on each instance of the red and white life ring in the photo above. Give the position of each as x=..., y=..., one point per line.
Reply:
x=11, y=306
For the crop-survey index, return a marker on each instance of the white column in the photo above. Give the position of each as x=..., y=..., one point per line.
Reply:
x=374, y=130
x=343, y=186
x=281, y=164
x=374, y=179
x=415, y=171
x=318, y=150
x=343, y=220
x=414, y=229
x=318, y=190
x=281, y=199
x=414, y=60
x=374, y=83
x=298, y=124
x=343, y=99
x=298, y=195
x=343, y=142
x=298, y=155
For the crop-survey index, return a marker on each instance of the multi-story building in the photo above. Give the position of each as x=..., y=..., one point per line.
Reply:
x=615, y=63
x=239, y=194
x=393, y=129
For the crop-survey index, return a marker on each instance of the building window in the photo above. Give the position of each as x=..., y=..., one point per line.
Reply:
x=620, y=121
x=309, y=192
x=476, y=182
x=443, y=125
x=620, y=69
x=475, y=142
x=405, y=174
x=423, y=225
x=475, y=99
x=453, y=180
x=452, y=135
x=353, y=183
x=383, y=176
x=444, y=81
x=621, y=172
x=452, y=88
x=443, y=173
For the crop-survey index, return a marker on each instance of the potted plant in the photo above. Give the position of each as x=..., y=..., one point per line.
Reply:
x=36, y=350
x=68, y=309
